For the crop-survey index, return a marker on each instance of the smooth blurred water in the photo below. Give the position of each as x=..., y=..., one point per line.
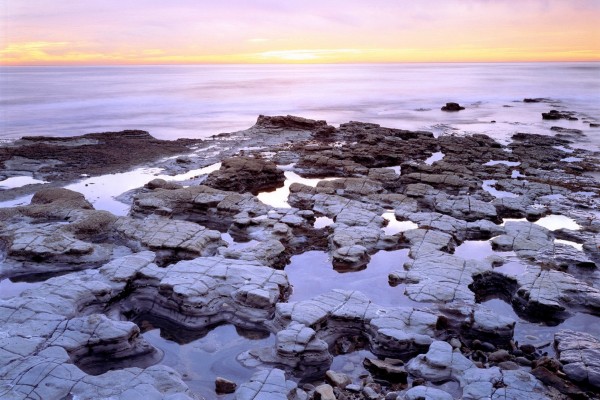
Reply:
x=201, y=100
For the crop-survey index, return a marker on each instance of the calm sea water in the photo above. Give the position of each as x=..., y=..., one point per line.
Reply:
x=201, y=100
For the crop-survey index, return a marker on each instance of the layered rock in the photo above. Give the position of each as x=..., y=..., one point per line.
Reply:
x=246, y=174
x=580, y=354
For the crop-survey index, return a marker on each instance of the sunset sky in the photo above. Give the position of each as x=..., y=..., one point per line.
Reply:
x=51, y=32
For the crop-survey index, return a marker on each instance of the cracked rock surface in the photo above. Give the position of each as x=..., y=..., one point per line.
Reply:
x=192, y=256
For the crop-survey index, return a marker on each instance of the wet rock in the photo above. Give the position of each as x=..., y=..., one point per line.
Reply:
x=224, y=386
x=338, y=379
x=452, y=107
x=523, y=361
x=499, y=356
x=370, y=393
x=246, y=174
x=580, y=355
x=527, y=348
x=567, y=131
x=555, y=115
x=386, y=370
x=162, y=184
x=508, y=365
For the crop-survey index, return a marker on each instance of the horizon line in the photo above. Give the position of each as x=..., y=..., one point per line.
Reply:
x=296, y=63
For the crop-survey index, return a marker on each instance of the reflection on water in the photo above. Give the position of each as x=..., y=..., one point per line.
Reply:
x=102, y=190
x=312, y=274
x=540, y=334
x=9, y=289
x=322, y=222
x=279, y=198
x=554, y=222
x=434, y=157
x=397, y=169
x=202, y=360
x=475, y=250
x=18, y=181
x=512, y=268
x=351, y=364
x=394, y=226
x=488, y=186
x=502, y=162
x=571, y=159
x=578, y=246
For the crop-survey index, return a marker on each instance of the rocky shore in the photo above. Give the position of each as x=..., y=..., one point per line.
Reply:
x=196, y=254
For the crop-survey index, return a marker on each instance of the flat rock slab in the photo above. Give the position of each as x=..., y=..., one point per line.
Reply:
x=580, y=354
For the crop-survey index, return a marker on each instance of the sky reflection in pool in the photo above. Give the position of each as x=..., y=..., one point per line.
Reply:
x=322, y=222
x=555, y=221
x=503, y=162
x=394, y=226
x=18, y=181
x=488, y=186
x=312, y=274
x=437, y=156
x=279, y=198
x=202, y=360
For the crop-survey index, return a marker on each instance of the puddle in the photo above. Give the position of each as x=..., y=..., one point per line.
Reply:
x=488, y=186
x=475, y=250
x=232, y=244
x=9, y=289
x=540, y=334
x=437, y=156
x=578, y=246
x=555, y=221
x=322, y=222
x=18, y=181
x=563, y=148
x=200, y=361
x=394, y=226
x=312, y=274
x=351, y=364
x=102, y=190
x=516, y=174
x=279, y=197
x=571, y=159
x=503, y=162
x=21, y=201
x=397, y=169
x=511, y=268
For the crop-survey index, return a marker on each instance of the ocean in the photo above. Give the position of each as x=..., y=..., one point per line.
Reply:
x=197, y=101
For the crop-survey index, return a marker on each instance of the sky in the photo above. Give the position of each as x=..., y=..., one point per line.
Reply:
x=98, y=32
